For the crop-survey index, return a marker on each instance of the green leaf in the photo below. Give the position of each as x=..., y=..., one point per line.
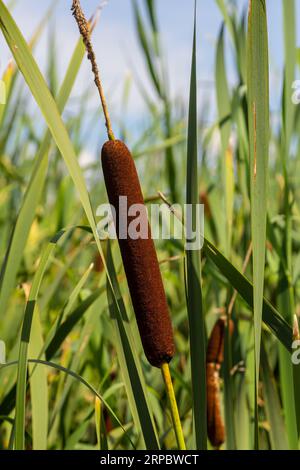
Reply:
x=272, y=403
x=258, y=110
x=23, y=351
x=146, y=46
x=100, y=426
x=289, y=24
x=289, y=380
x=224, y=109
x=193, y=273
x=38, y=387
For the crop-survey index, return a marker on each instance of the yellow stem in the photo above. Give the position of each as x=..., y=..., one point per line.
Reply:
x=173, y=405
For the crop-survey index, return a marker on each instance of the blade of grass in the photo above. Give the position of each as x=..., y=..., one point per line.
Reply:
x=232, y=25
x=290, y=389
x=7, y=78
x=258, y=111
x=100, y=426
x=193, y=273
x=224, y=109
x=38, y=387
x=287, y=386
x=290, y=41
x=272, y=403
x=23, y=351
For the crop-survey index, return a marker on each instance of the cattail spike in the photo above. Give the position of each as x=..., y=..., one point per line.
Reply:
x=214, y=359
x=215, y=424
x=139, y=257
x=215, y=348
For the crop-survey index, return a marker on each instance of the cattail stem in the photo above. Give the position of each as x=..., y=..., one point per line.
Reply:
x=173, y=405
x=85, y=32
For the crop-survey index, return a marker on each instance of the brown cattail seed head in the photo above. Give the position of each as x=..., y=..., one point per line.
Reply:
x=215, y=348
x=139, y=257
x=215, y=424
x=214, y=359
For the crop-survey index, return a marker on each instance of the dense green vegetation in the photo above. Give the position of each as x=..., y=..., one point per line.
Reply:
x=75, y=375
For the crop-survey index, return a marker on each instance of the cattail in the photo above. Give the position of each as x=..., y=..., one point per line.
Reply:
x=139, y=257
x=214, y=359
x=215, y=348
x=138, y=252
x=215, y=424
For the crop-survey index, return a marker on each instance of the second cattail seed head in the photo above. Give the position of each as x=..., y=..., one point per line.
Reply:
x=214, y=360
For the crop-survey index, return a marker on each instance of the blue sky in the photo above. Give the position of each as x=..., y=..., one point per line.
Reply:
x=117, y=48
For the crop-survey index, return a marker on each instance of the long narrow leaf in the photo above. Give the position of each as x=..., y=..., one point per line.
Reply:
x=258, y=109
x=193, y=273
